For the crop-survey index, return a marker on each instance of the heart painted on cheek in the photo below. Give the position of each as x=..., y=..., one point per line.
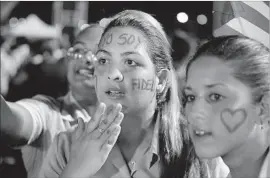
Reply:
x=233, y=119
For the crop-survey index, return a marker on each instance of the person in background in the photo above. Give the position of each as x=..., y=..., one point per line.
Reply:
x=227, y=97
x=31, y=124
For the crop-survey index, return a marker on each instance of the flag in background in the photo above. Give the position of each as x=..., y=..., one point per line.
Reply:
x=248, y=18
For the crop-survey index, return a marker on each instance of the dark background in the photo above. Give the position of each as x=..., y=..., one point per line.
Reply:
x=165, y=12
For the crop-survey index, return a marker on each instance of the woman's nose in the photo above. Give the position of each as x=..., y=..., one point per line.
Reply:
x=115, y=75
x=200, y=110
x=199, y=115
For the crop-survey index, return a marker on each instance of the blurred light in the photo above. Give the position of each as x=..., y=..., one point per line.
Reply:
x=104, y=22
x=182, y=17
x=202, y=19
x=21, y=20
x=58, y=54
x=37, y=59
x=9, y=160
x=80, y=23
x=13, y=21
x=83, y=26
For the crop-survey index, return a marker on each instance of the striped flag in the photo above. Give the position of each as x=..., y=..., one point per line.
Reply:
x=249, y=18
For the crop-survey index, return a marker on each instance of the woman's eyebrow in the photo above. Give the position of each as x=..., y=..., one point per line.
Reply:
x=129, y=53
x=187, y=88
x=103, y=51
x=79, y=42
x=216, y=84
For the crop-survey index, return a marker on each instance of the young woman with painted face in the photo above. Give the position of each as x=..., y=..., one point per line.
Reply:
x=134, y=68
x=227, y=104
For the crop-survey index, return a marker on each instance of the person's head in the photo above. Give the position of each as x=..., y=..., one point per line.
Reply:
x=134, y=63
x=80, y=68
x=134, y=68
x=227, y=95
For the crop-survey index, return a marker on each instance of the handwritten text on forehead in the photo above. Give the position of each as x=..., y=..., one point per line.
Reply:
x=121, y=39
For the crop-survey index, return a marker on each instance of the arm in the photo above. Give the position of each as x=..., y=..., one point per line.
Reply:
x=16, y=123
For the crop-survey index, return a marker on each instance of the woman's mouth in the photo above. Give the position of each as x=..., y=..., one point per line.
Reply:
x=89, y=73
x=199, y=130
x=202, y=136
x=115, y=93
x=201, y=133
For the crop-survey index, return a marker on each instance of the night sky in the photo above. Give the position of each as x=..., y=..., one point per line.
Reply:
x=165, y=12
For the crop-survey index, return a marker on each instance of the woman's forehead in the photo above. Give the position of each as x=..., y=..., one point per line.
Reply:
x=123, y=35
x=207, y=70
x=124, y=39
x=208, y=65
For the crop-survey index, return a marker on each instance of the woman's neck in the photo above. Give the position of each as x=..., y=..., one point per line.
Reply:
x=134, y=127
x=134, y=130
x=246, y=160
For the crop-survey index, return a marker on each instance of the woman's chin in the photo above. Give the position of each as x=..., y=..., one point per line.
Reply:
x=206, y=153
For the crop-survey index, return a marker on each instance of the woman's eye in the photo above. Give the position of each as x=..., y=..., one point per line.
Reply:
x=215, y=97
x=79, y=50
x=102, y=61
x=190, y=98
x=131, y=63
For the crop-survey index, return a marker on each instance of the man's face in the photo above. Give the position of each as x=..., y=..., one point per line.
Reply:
x=80, y=71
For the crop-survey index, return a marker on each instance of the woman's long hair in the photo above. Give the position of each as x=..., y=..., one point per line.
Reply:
x=176, y=153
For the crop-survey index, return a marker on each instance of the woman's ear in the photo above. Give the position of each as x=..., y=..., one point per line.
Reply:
x=263, y=110
x=162, y=79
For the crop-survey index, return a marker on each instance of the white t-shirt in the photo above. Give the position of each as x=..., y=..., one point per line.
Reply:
x=50, y=117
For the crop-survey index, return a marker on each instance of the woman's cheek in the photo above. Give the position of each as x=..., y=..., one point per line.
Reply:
x=187, y=110
x=217, y=109
x=99, y=70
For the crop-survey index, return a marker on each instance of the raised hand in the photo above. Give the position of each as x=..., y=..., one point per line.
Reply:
x=93, y=141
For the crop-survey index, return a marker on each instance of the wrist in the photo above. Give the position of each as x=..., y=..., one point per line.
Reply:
x=75, y=170
x=69, y=172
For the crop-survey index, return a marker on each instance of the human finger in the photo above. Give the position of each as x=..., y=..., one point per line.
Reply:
x=109, y=117
x=110, y=130
x=107, y=120
x=110, y=142
x=93, y=123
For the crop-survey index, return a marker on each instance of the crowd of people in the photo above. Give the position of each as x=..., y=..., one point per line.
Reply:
x=128, y=113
